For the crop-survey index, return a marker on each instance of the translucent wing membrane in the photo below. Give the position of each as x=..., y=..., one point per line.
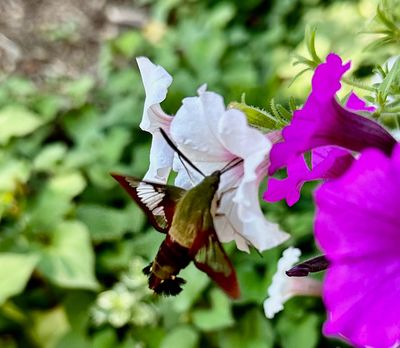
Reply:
x=158, y=201
x=210, y=257
x=152, y=198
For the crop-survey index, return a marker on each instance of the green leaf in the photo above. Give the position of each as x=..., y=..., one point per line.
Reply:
x=148, y=243
x=79, y=89
x=83, y=126
x=219, y=316
x=69, y=260
x=15, y=271
x=128, y=43
x=38, y=214
x=221, y=14
x=106, y=223
x=252, y=284
x=300, y=223
x=12, y=172
x=20, y=86
x=182, y=336
x=67, y=184
x=151, y=336
x=196, y=282
x=50, y=157
x=74, y=339
x=391, y=77
x=113, y=144
x=299, y=333
x=56, y=197
x=105, y=339
x=17, y=121
x=252, y=331
x=257, y=117
x=77, y=304
x=48, y=106
x=49, y=326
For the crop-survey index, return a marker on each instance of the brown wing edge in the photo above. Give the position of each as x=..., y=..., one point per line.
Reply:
x=228, y=283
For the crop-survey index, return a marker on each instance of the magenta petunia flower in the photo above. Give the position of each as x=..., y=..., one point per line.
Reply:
x=327, y=162
x=324, y=122
x=358, y=228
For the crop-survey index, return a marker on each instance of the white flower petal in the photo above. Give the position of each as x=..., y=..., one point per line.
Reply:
x=228, y=225
x=278, y=290
x=156, y=82
x=187, y=177
x=283, y=287
x=194, y=128
x=161, y=157
x=253, y=147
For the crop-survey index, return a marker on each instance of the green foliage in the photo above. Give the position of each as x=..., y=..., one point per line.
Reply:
x=15, y=272
x=386, y=25
x=72, y=244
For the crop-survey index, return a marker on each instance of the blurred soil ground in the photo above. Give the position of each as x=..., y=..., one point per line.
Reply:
x=51, y=38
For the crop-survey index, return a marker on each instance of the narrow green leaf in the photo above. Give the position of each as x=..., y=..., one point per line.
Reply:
x=391, y=77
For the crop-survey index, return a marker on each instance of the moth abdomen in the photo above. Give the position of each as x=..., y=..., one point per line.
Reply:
x=147, y=269
x=170, y=287
x=162, y=272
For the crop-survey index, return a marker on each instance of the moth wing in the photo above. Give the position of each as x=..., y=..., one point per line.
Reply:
x=211, y=258
x=158, y=201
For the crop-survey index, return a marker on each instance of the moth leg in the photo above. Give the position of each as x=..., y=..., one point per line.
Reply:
x=222, y=195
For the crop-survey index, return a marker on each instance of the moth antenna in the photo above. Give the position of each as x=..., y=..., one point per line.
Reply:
x=180, y=154
x=187, y=171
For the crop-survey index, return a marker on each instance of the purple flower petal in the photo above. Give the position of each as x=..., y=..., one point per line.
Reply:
x=323, y=121
x=357, y=226
x=327, y=163
x=288, y=188
x=357, y=104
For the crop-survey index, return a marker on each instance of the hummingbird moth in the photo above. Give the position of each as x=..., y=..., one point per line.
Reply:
x=186, y=217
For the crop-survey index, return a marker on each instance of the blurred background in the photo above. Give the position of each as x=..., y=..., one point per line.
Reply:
x=72, y=244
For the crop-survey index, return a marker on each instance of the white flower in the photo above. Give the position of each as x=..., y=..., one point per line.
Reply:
x=283, y=287
x=211, y=136
x=143, y=314
x=99, y=316
x=134, y=279
x=115, y=305
x=156, y=82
